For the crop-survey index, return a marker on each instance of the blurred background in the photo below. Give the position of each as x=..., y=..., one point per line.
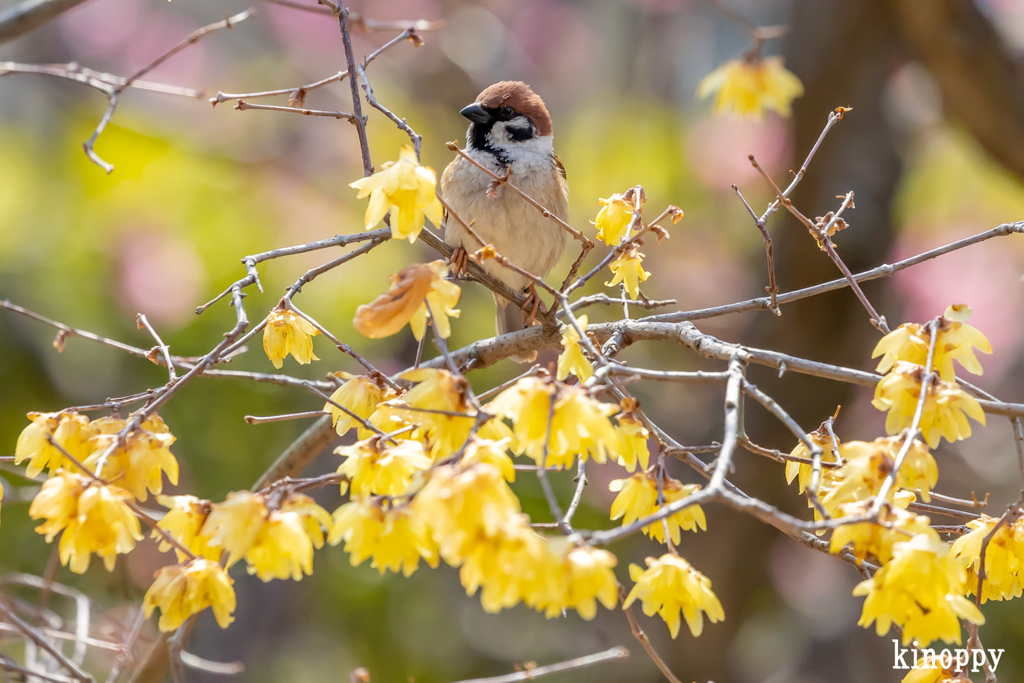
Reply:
x=932, y=149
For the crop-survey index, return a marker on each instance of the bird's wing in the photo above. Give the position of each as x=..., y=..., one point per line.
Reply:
x=559, y=165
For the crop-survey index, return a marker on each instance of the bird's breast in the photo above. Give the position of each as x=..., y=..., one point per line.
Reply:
x=517, y=229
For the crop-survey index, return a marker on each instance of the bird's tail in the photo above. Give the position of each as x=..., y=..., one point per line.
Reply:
x=510, y=319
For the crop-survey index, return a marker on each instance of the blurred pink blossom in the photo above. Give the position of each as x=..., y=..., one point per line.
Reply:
x=556, y=39
x=813, y=584
x=304, y=31
x=660, y=5
x=101, y=28
x=718, y=147
x=699, y=278
x=160, y=276
x=986, y=276
x=157, y=35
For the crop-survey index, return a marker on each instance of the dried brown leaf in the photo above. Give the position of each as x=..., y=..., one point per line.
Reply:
x=389, y=313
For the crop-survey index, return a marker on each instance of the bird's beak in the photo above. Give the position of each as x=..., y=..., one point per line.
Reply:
x=476, y=113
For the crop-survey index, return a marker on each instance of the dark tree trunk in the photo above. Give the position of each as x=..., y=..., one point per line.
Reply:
x=844, y=52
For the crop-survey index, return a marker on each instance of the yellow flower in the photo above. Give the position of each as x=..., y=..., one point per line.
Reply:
x=234, y=524
x=1003, y=578
x=388, y=418
x=439, y=390
x=633, y=437
x=94, y=518
x=670, y=585
x=282, y=548
x=407, y=190
x=490, y=452
x=946, y=407
x=463, y=505
x=613, y=219
x=184, y=521
x=580, y=424
x=867, y=464
x=558, y=575
x=360, y=395
x=57, y=502
x=819, y=437
x=590, y=578
x=140, y=465
x=866, y=538
x=70, y=430
x=955, y=340
x=572, y=360
x=747, y=87
x=181, y=591
x=412, y=289
x=920, y=589
x=627, y=268
x=373, y=468
x=314, y=518
x=495, y=429
x=933, y=675
x=288, y=332
x=395, y=538
x=638, y=498
x=514, y=564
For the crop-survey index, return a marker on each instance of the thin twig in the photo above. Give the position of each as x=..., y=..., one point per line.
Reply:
x=242, y=105
x=144, y=322
x=535, y=672
x=258, y=420
x=645, y=642
x=357, y=107
x=115, y=94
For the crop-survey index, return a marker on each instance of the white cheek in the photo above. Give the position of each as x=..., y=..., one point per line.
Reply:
x=499, y=135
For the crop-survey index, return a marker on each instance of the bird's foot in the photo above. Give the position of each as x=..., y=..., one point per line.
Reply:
x=532, y=306
x=459, y=262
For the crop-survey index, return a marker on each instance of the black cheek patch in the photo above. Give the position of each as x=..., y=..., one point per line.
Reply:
x=478, y=134
x=520, y=134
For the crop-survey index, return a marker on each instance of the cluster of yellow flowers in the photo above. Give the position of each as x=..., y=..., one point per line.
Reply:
x=921, y=589
x=865, y=466
x=275, y=543
x=922, y=580
x=183, y=590
x=579, y=424
x=94, y=517
x=139, y=462
x=615, y=223
x=1004, y=573
x=919, y=586
x=411, y=500
x=638, y=498
x=904, y=352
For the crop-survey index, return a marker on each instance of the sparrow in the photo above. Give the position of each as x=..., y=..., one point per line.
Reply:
x=510, y=134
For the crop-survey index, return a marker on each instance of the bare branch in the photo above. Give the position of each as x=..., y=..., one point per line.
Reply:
x=535, y=672
x=115, y=94
x=22, y=17
x=242, y=105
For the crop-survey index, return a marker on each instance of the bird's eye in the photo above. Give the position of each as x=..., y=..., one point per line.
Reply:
x=507, y=112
